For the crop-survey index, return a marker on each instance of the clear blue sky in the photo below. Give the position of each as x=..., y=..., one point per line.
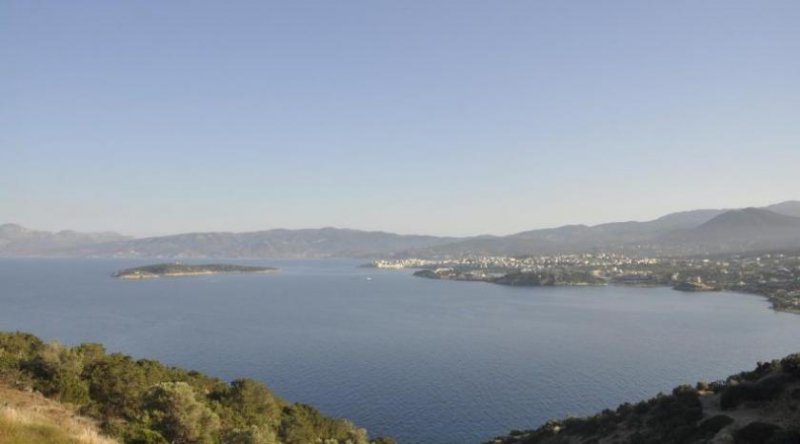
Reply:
x=441, y=117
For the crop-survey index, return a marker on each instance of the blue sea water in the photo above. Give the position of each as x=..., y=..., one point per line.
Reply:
x=424, y=361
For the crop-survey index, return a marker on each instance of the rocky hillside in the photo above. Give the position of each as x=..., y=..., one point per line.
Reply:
x=756, y=407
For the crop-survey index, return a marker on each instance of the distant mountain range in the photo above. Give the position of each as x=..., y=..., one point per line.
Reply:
x=746, y=229
x=690, y=232
x=323, y=242
x=16, y=240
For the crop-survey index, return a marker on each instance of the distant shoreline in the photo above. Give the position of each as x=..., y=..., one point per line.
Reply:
x=683, y=287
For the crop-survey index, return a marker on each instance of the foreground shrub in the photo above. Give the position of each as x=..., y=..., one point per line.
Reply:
x=713, y=425
x=791, y=365
x=248, y=402
x=116, y=386
x=252, y=435
x=765, y=389
x=755, y=433
x=17, y=347
x=172, y=409
x=56, y=370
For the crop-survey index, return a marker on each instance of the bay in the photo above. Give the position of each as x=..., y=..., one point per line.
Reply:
x=423, y=361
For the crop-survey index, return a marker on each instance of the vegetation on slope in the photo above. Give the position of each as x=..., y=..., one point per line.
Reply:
x=145, y=402
x=757, y=407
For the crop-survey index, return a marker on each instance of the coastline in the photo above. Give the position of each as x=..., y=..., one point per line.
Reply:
x=774, y=303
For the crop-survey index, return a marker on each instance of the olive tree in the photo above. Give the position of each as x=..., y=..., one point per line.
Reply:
x=172, y=409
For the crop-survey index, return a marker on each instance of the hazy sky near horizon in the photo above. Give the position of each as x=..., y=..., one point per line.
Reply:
x=440, y=117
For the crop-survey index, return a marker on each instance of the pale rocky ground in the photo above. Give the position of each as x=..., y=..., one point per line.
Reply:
x=25, y=407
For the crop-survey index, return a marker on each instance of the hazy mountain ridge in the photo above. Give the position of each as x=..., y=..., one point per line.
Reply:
x=741, y=230
x=16, y=240
x=687, y=232
x=789, y=208
x=323, y=242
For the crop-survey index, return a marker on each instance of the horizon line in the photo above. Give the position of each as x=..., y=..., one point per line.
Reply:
x=368, y=230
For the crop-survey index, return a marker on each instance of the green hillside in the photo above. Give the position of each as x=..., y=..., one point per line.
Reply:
x=145, y=402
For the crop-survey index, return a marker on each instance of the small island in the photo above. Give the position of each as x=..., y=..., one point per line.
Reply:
x=178, y=269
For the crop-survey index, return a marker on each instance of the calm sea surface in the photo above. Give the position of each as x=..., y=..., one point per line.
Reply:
x=424, y=361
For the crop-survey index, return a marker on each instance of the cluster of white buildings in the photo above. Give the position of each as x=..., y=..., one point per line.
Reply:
x=529, y=263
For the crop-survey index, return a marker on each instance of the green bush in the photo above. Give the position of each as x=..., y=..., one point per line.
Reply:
x=791, y=365
x=252, y=435
x=17, y=347
x=116, y=386
x=248, y=402
x=301, y=423
x=765, y=389
x=136, y=433
x=56, y=370
x=172, y=409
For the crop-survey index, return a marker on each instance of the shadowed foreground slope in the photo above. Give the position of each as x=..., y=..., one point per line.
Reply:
x=757, y=407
